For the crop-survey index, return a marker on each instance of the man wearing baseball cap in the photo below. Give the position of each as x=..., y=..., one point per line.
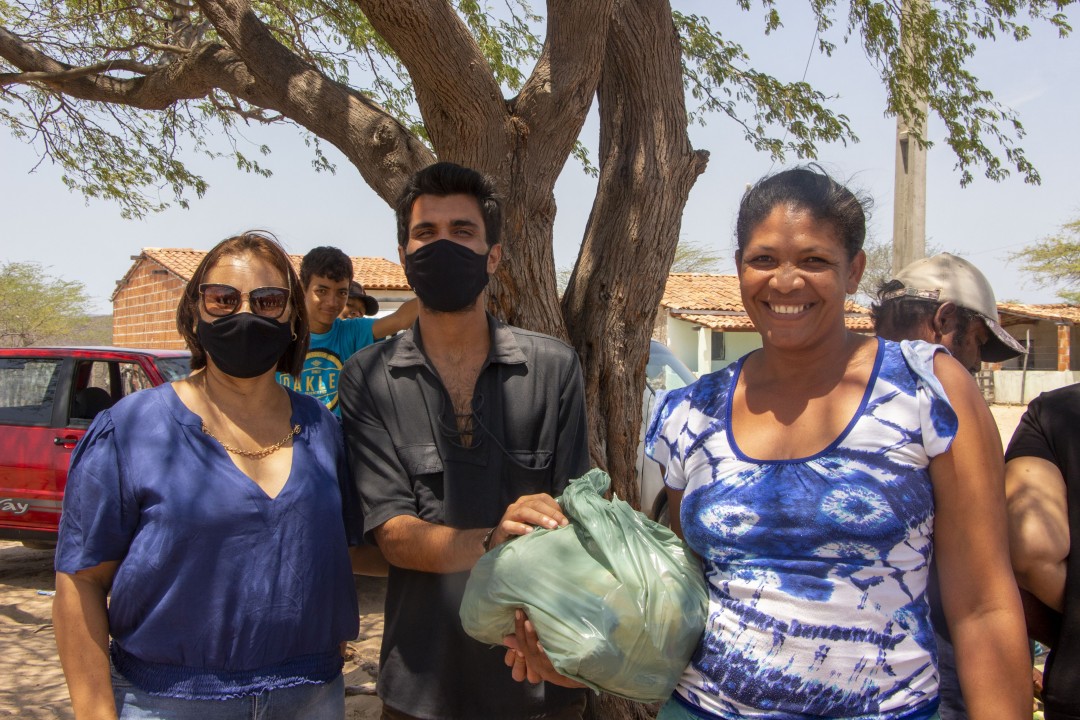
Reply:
x=944, y=299
x=359, y=303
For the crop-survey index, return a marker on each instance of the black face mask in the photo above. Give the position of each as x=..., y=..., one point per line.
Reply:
x=244, y=345
x=447, y=276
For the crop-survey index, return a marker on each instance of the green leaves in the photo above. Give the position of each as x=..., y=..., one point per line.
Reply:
x=1055, y=260
x=934, y=67
x=507, y=40
x=134, y=151
x=37, y=305
x=717, y=74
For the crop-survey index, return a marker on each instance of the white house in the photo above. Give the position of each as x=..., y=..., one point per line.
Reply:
x=703, y=321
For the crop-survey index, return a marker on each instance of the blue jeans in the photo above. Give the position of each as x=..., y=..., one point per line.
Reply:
x=303, y=702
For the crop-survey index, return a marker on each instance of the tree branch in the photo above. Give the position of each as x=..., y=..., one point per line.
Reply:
x=75, y=73
x=460, y=101
x=556, y=98
x=156, y=88
x=380, y=147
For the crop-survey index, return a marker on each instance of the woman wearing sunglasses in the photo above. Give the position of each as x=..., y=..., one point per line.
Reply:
x=212, y=509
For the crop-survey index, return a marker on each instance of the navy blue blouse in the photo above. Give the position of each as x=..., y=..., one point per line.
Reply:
x=221, y=591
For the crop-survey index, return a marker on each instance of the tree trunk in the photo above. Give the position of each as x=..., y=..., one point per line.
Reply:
x=523, y=142
x=524, y=292
x=647, y=168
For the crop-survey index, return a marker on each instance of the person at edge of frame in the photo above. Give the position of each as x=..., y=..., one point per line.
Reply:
x=944, y=299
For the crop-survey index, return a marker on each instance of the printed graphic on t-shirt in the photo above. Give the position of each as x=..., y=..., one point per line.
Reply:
x=319, y=378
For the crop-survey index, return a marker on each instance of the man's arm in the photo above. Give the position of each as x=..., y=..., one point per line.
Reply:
x=368, y=560
x=389, y=504
x=1037, y=505
x=412, y=543
x=399, y=320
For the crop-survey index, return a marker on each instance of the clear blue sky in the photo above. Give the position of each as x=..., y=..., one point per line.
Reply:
x=44, y=222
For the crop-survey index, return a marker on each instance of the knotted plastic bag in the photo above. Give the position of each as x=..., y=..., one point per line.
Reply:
x=618, y=601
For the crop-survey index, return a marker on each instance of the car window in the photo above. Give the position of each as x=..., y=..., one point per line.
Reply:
x=99, y=376
x=664, y=371
x=27, y=389
x=96, y=387
x=133, y=378
x=173, y=368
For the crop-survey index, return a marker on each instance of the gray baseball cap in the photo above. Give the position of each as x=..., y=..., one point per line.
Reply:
x=947, y=278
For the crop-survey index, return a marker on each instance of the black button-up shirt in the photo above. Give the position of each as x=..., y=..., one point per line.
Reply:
x=529, y=436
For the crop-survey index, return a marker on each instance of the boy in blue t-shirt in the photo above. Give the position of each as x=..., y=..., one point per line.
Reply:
x=326, y=274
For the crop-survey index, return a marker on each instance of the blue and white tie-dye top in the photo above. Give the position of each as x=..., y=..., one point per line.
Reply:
x=816, y=567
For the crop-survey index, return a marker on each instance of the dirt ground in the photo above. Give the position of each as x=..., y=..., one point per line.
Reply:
x=32, y=685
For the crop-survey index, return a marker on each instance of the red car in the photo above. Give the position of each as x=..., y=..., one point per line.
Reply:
x=48, y=397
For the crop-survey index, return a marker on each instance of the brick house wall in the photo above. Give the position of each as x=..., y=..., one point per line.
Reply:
x=146, y=298
x=144, y=308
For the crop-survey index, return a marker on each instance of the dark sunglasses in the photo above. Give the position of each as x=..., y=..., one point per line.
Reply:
x=222, y=300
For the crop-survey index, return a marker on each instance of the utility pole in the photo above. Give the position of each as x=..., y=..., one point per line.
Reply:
x=909, y=190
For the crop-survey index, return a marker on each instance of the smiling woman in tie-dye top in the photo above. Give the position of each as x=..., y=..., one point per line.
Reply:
x=817, y=476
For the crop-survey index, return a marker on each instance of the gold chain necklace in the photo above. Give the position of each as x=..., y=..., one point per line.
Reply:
x=255, y=454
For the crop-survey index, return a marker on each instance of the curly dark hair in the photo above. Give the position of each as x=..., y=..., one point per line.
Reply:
x=263, y=245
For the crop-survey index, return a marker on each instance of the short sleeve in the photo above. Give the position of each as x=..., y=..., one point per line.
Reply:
x=380, y=481
x=662, y=439
x=936, y=415
x=99, y=514
x=1030, y=439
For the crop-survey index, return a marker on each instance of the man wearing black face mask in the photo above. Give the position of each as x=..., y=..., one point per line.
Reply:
x=460, y=432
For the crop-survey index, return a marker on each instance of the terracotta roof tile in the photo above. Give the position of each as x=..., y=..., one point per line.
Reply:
x=179, y=261
x=719, y=296
x=722, y=323
x=1018, y=313
x=701, y=291
x=737, y=322
x=379, y=273
x=372, y=273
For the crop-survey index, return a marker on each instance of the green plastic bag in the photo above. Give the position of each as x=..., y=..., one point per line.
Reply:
x=618, y=601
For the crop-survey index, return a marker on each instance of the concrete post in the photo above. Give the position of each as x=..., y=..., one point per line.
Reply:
x=909, y=191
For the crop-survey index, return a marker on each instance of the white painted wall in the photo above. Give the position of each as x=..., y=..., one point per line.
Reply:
x=704, y=351
x=390, y=300
x=694, y=346
x=682, y=340
x=1014, y=387
x=738, y=344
